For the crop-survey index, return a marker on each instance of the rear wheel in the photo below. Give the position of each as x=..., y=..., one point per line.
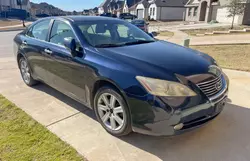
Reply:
x=25, y=72
x=112, y=112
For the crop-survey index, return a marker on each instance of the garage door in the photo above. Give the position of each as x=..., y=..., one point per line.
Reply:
x=140, y=14
x=222, y=14
x=246, y=19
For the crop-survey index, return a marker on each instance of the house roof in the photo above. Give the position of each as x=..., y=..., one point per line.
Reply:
x=170, y=3
x=105, y=3
x=130, y=3
x=134, y=6
x=144, y=3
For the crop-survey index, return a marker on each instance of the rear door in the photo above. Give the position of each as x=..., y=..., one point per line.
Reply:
x=33, y=45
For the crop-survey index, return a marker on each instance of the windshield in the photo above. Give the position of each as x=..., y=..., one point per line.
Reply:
x=112, y=33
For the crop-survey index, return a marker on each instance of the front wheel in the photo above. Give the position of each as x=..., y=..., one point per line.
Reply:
x=112, y=112
x=25, y=72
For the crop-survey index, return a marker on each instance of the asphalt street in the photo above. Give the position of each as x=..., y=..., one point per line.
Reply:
x=6, y=43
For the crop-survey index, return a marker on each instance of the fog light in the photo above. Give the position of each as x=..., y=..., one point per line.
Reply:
x=179, y=126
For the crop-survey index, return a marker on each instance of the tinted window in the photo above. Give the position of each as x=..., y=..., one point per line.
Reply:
x=60, y=30
x=40, y=30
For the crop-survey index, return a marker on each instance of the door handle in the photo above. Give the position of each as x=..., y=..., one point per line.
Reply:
x=24, y=42
x=48, y=51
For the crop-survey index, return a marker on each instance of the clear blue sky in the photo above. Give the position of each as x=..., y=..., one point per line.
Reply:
x=70, y=5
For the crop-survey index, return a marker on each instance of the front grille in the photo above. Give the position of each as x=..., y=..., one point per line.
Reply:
x=212, y=87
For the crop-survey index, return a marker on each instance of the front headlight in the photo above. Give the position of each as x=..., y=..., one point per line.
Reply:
x=164, y=88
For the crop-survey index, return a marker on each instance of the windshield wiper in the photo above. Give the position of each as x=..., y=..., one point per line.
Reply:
x=139, y=42
x=108, y=45
x=123, y=44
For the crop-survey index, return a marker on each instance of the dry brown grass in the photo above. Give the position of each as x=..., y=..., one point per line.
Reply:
x=6, y=22
x=166, y=33
x=228, y=56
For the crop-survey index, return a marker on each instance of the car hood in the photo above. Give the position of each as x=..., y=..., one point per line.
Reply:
x=161, y=55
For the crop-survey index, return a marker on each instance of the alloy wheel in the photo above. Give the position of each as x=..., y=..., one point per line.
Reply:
x=25, y=71
x=111, y=111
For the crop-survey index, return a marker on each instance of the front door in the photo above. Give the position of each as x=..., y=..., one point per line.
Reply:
x=65, y=72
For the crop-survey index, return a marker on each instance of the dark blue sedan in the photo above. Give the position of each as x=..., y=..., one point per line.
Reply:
x=130, y=80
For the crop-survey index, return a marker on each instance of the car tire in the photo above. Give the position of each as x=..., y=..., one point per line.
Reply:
x=118, y=123
x=26, y=73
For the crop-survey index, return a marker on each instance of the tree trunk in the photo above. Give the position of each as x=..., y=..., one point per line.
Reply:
x=232, y=26
x=22, y=17
x=23, y=24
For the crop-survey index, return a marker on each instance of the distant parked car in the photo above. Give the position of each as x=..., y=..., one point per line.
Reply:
x=142, y=24
x=127, y=16
x=109, y=15
x=114, y=15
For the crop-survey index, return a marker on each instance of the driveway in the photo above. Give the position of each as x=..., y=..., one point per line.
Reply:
x=225, y=138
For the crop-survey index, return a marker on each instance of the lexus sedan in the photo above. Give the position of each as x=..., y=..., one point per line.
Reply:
x=130, y=80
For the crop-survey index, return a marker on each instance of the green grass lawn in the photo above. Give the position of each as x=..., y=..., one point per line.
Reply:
x=7, y=22
x=228, y=56
x=23, y=139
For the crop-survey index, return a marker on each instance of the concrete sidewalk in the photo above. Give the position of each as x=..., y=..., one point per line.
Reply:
x=180, y=36
x=184, y=27
x=225, y=138
x=15, y=26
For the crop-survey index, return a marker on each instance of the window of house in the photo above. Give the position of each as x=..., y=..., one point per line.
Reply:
x=189, y=11
x=61, y=30
x=153, y=11
x=150, y=12
x=195, y=11
x=39, y=30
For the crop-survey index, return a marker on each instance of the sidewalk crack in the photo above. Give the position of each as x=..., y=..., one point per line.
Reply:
x=62, y=119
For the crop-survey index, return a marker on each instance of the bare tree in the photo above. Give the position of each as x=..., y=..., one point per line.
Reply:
x=236, y=7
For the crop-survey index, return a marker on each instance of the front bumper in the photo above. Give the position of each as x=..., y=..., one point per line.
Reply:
x=166, y=116
x=189, y=119
x=177, y=115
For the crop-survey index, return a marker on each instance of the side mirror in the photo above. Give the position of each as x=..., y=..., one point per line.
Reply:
x=70, y=44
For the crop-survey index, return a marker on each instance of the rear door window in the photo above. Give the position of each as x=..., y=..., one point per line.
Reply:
x=40, y=30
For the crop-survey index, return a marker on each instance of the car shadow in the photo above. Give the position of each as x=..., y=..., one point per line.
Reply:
x=67, y=100
x=224, y=138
